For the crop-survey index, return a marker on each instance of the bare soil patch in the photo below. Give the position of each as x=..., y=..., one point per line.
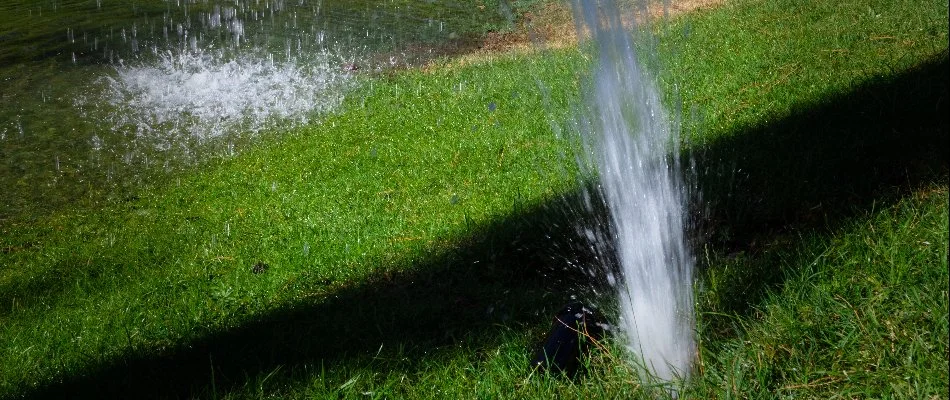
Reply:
x=550, y=26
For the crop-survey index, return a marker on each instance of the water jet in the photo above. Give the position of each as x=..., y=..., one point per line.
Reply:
x=629, y=149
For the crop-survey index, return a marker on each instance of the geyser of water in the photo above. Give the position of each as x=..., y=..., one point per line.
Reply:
x=630, y=149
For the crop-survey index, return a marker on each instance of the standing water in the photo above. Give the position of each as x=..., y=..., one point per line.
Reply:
x=100, y=98
x=629, y=147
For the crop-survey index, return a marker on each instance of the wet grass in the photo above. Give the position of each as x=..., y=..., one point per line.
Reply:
x=413, y=245
x=365, y=193
x=92, y=29
x=58, y=150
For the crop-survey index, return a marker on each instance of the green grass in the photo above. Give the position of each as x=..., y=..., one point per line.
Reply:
x=862, y=313
x=57, y=148
x=414, y=240
x=362, y=194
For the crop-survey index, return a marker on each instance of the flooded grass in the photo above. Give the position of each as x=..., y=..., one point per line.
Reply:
x=101, y=97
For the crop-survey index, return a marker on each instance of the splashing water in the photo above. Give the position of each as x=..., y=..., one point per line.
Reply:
x=629, y=147
x=205, y=94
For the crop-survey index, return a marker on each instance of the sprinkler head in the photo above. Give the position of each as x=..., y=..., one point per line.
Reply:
x=573, y=330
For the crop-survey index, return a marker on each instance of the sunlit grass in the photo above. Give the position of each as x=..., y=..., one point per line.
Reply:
x=414, y=165
x=64, y=144
x=398, y=249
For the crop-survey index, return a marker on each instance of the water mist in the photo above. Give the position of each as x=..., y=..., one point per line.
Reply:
x=629, y=149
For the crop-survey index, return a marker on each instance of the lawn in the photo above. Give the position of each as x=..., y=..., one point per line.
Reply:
x=415, y=243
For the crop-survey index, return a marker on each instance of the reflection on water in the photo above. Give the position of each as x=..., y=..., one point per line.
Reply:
x=101, y=95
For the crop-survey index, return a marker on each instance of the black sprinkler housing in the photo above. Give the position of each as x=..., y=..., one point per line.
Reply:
x=573, y=330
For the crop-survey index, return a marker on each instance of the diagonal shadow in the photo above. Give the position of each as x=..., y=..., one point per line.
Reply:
x=811, y=171
x=504, y=275
x=820, y=167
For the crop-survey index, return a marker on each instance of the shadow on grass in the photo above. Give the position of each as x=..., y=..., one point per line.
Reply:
x=818, y=168
x=503, y=277
x=811, y=171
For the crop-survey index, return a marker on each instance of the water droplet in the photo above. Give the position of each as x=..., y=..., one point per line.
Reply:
x=96, y=143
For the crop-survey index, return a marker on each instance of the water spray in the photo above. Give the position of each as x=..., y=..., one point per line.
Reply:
x=629, y=149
